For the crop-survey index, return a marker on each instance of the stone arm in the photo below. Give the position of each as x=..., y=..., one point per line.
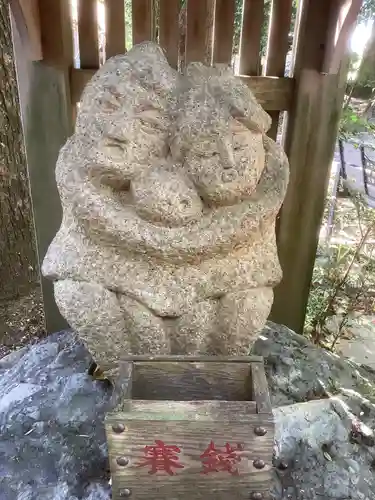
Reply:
x=107, y=217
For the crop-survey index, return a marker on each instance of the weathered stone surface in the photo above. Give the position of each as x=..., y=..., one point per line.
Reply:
x=52, y=444
x=298, y=371
x=323, y=461
x=53, y=447
x=170, y=189
x=324, y=408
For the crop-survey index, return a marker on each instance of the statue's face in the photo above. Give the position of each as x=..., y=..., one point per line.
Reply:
x=150, y=132
x=225, y=168
x=135, y=143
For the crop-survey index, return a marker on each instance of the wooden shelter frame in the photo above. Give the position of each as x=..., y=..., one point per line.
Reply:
x=312, y=96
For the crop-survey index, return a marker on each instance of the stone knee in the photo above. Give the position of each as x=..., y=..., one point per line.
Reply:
x=191, y=332
x=241, y=318
x=146, y=331
x=95, y=314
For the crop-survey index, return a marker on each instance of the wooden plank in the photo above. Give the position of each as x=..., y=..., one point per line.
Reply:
x=169, y=29
x=88, y=34
x=47, y=121
x=223, y=31
x=191, y=381
x=27, y=19
x=56, y=33
x=194, y=478
x=260, y=389
x=312, y=142
x=174, y=358
x=115, y=28
x=278, y=37
x=202, y=411
x=277, y=47
x=252, y=20
x=199, y=31
x=272, y=93
x=123, y=388
x=142, y=18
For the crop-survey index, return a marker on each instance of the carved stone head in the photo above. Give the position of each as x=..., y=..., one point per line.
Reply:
x=170, y=190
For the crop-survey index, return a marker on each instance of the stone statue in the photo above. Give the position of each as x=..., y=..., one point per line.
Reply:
x=170, y=190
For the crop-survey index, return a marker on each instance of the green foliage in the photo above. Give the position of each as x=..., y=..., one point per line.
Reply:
x=353, y=123
x=343, y=279
x=128, y=25
x=367, y=11
x=237, y=26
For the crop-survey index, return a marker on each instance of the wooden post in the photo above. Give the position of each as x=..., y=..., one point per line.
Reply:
x=47, y=122
x=309, y=143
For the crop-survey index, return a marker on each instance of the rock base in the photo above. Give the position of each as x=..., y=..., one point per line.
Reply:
x=52, y=433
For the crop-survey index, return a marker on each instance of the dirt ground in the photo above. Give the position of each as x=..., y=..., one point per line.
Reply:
x=21, y=321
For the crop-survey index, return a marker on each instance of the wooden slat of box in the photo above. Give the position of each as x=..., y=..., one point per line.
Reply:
x=190, y=428
x=184, y=381
x=202, y=411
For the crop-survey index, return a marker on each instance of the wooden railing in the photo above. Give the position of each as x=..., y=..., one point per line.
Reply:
x=274, y=94
x=200, y=30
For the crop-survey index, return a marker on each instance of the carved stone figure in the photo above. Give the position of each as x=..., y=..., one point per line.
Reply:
x=170, y=190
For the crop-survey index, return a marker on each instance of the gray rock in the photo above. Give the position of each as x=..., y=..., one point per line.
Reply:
x=53, y=444
x=325, y=419
x=313, y=440
x=298, y=371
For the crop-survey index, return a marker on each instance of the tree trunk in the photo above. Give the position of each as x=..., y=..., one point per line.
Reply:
x=18, y=260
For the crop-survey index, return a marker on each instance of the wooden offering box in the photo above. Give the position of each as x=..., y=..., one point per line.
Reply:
x=192, y=429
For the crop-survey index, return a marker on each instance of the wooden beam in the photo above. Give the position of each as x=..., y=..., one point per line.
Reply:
x=199, y=31
x=88, y=34
x=169, y=29
x=277, y=47
x=26, y=16
x=272, y=93
x=223, y=31
x=115, y=28
x=252, y=21
x=142, y=18
x=278, y=37
x=47, y=123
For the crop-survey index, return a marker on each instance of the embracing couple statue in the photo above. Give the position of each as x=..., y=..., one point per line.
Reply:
x=170, y=190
